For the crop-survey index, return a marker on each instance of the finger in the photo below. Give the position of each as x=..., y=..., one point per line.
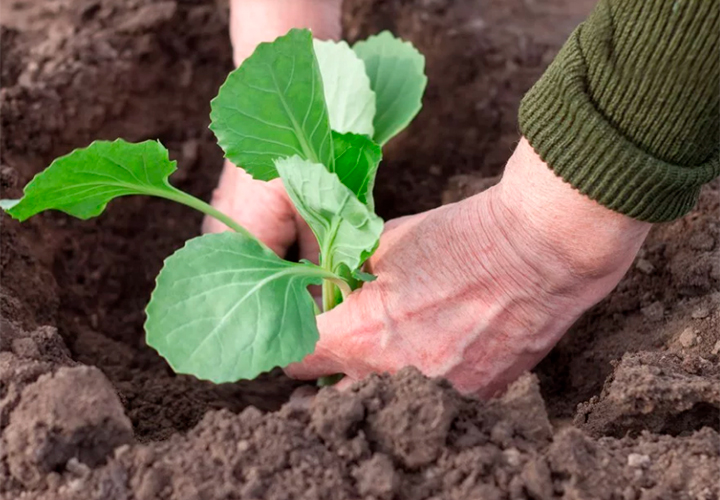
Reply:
x=263, y=208
x=347, y=335
x=313, y=366
x=308, y=243
x=396, y=223
x=309, y=249
x=327, y=358
x=345, y=384
x=255, y=21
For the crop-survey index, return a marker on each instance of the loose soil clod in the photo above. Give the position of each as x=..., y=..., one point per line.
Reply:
x=73, y=413
x=87, y=411
x=656, y=392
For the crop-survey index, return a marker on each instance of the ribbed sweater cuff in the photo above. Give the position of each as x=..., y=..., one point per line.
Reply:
x=564, y=126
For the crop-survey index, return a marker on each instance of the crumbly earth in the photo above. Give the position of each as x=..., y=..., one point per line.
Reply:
x=626, y=407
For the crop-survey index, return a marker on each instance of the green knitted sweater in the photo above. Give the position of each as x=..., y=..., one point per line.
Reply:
x=629, y=111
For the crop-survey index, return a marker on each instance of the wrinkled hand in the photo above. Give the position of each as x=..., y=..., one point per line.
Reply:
x=264, y=208
x=479, y=291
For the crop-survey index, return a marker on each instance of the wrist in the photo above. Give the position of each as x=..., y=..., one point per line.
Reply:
x=588, y=238
x=256, y=21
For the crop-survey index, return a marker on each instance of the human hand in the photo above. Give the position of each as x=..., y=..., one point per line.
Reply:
x=264, y=208
x=479, y=291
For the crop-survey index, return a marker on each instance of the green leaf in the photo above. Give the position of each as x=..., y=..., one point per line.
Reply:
x=354, y=278
x=83, y=182
x=357, y=159
x=363, y=276
x=348, y=232
x=349, y=98
x=397, y=75
x=273, y=106
x=227, y=308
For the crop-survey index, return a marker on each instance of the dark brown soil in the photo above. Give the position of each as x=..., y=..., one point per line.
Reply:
x=627, y=406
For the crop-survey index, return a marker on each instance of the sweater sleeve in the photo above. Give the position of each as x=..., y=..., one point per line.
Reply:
x=629, y=111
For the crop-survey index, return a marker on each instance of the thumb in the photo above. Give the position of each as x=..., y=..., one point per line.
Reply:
x=322, y=361
x=340, y=335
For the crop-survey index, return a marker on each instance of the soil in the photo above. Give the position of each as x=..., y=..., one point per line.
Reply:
x=627, y=406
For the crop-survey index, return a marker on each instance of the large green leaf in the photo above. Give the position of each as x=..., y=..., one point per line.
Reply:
x=84, y=181
x=348, y=232
x=273, y=106
x=357, y=159
x=349, y=98
x=227, y=308
x=397, y=75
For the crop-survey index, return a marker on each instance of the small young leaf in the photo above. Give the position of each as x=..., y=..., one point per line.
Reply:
x=83, y=182
x=363, y=276
x=354, y=279
x=227, y=308
x=348, y=232
x=397, y=75
x=357, y=159
x=273, y=106
x=349, y=98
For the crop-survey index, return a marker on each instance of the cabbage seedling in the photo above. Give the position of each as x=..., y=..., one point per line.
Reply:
x=315, y=114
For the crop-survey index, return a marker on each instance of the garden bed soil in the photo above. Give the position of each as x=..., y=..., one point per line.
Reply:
x=626, y=406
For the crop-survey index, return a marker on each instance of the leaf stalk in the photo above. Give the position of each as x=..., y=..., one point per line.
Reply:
x=192, y=202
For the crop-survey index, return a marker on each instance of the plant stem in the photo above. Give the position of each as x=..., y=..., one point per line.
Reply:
x=328, y=291
x=343, y=286
x=328, y=295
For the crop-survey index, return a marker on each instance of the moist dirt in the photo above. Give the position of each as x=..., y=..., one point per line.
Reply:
x=627, y=406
